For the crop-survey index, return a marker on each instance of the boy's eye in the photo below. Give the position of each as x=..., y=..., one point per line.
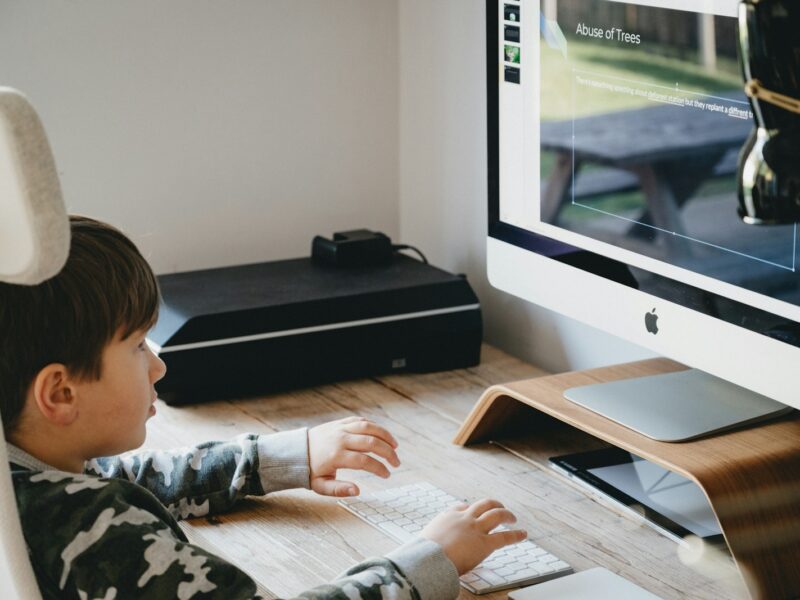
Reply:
x=142, y=345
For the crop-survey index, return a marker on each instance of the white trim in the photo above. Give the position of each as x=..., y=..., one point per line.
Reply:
x=302, y=330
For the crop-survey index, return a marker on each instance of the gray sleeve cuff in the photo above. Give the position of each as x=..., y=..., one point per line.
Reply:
x=283, y=460
x=426, y=566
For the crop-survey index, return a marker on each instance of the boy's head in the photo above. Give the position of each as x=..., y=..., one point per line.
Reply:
x=72, y=351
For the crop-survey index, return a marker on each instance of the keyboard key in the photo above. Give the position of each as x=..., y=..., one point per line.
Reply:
x=529, y=572
x=489, y=575
x=548, y=558
x=546, y=569
x=481, y=585
x=506, y=558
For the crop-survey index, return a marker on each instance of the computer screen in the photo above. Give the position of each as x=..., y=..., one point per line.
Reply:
x=614, y=135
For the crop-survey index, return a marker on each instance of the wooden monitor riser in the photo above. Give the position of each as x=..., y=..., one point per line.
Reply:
x=751, y=476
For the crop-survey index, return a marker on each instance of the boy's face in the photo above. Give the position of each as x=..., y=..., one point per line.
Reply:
x=114, y=409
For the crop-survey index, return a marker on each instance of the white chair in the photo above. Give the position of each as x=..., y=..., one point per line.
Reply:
x=34, y=244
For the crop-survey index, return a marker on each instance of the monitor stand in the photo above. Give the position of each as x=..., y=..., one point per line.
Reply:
x=675, y=407
x=751, y=476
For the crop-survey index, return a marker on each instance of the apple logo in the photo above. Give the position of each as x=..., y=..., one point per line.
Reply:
x=651, y=322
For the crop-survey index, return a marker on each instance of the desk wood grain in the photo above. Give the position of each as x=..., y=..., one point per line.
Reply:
x=290, y=541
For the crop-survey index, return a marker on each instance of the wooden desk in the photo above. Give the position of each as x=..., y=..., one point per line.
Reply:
x=290, y=541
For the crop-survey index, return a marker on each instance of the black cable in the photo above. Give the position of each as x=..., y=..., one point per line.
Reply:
x=399, y=247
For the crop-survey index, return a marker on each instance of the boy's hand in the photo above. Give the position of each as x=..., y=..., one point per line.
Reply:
x=347, y=444
x=463, y=532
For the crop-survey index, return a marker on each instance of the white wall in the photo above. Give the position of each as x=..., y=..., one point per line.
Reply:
x=443, y=187
x=215, y=132
x=221, y=132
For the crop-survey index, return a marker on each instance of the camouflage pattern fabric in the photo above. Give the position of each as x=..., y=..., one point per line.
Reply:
x=112, y=532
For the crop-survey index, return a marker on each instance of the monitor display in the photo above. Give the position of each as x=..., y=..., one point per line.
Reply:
x=613, y=151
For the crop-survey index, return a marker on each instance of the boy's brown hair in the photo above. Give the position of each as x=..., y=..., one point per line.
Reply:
x=105, y=288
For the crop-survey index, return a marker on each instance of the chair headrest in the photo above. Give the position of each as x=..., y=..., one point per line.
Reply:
x=34, y=228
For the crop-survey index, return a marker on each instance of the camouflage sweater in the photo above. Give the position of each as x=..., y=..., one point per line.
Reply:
x=112, y=532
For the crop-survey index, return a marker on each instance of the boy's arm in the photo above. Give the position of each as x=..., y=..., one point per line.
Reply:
x=91, y=538
x=211, y=477
x=157, y=565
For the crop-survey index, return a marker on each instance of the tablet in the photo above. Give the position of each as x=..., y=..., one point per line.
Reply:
x=672, y=504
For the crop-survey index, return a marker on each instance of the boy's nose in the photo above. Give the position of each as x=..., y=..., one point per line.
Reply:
x=158, y=368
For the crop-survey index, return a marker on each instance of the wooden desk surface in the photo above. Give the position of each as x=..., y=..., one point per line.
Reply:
x=290, y=541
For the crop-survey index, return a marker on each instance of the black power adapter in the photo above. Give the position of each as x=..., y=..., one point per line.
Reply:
x=357, y=248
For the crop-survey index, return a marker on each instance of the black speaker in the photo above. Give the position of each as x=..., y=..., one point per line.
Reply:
x=255, y=329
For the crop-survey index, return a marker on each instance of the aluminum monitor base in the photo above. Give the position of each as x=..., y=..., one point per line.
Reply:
x=676, y=407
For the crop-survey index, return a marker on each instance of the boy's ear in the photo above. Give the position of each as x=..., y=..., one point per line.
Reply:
x=54, y=395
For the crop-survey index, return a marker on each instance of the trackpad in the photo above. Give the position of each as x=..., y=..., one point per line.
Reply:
x=586, y=585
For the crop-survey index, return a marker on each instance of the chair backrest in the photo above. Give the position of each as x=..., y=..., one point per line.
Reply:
x=16, y=576
x=34, y=244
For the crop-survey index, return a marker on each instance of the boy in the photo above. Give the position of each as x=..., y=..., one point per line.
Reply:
x=76, y=383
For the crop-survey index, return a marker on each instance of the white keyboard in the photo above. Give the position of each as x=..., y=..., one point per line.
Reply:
x=402, y=512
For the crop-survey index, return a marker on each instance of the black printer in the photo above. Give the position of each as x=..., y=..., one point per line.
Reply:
x=259, y=328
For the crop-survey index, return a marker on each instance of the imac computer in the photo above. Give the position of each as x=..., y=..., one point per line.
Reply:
x=614, y=131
